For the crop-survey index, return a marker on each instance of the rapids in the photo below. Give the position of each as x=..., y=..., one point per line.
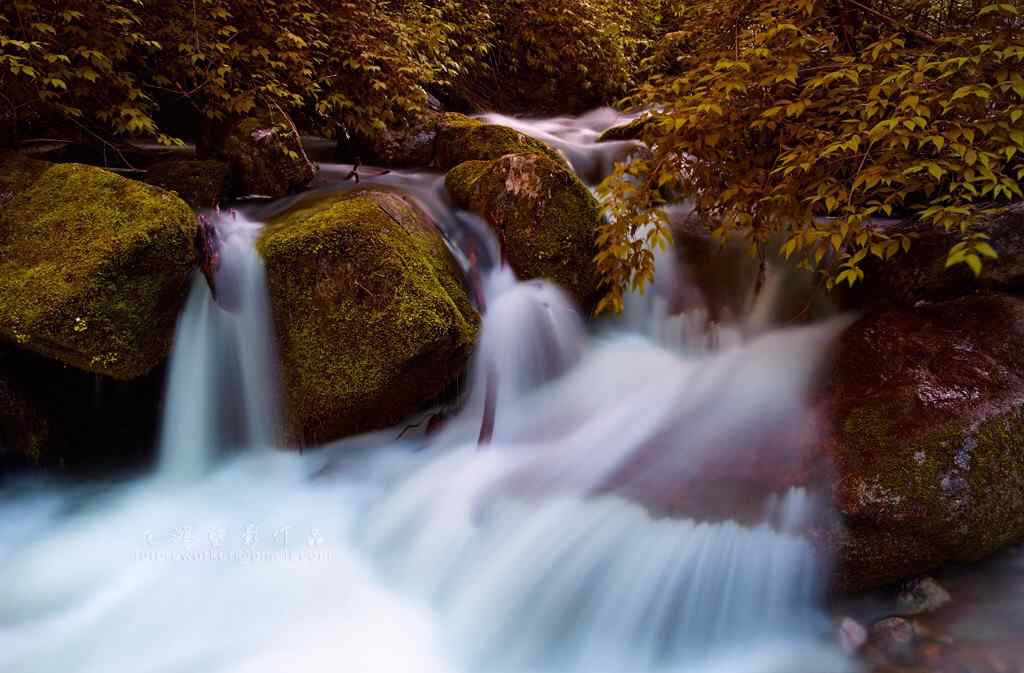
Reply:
x=544, y=548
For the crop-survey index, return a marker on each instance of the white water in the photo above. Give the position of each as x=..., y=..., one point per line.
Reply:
x=534, y=553
x=223, y=383
x=576, y=138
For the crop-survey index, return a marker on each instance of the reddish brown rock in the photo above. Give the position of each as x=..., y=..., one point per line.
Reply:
x=928, y=443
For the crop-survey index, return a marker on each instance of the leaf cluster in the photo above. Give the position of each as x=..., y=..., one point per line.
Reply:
x=818, y=118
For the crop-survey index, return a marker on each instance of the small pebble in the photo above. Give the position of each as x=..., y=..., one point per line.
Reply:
x=922, y=595
x=896, y=639
x=852, y=635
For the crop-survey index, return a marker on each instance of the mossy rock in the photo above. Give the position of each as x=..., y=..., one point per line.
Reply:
x=410, y=145
x=631, y=130
x=266, y=156
x=201, y=184
x=461, y=138
x=371, y=315
x=928, y=447
x=93, y=266
x=545, y=218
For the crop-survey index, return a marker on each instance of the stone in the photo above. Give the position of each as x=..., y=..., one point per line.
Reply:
x=200, y=184
x=461, y=139
x=266, y=156
x=93, y=266
x=928, y=439
x=922, y=595
x=546, y=220
x=371, y=313
x=921, y=274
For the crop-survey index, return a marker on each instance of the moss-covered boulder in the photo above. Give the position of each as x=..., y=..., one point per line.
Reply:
x=265, y=154
x=372, y=318
x=461, y=138
x=928, y=447
x=93, y=266
x=201, y=184
x=545, y=218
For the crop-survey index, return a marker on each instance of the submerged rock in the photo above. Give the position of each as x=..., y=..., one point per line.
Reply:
x=461, y=138
x=922, y=595
x=372, y=318
x=201, y=184
x=545, y=218
x=929, y=438
x=896, y=639
x=93, y=266
x=266, y=155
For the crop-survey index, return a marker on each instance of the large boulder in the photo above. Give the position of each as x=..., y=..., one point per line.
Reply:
x=545, y=218
x=265, y=154
x=372, y=318
x=921, y=273
x=201, y=184
x=461, y=138
x=928, y=447
x=93, y=266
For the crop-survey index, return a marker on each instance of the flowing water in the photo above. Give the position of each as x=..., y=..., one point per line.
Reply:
x=532, y=533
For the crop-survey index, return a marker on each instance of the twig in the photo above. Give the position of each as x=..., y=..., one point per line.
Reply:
x=103, y=140
x=895, y=23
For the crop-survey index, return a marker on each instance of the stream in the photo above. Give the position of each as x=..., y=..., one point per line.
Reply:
x=544, y=549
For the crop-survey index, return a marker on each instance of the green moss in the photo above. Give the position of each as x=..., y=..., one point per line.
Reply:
x=633, y=130
x=201, y=184
x=266, y=156
x=371, y=316
x=545, y=218
x=461, y=139
x=93, y=267
x=912, y=503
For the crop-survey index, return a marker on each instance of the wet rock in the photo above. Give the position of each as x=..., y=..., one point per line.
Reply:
x=922, y=595
x=200, y=184
x=409, y=145
x=928, y=407
x=921, y=273
x=372, y=318
x=545, y=218
x=93, y=266
x=265, y=154
x=461, y=138
x=896, y=639
x=631, y=130
x=851, y=635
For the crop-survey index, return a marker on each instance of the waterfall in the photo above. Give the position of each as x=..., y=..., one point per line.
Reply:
x=222, y=388
x=594, y=530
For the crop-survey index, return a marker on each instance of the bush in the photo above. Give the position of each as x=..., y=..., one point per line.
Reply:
x=812, y=118
x=560, y=55
x=109, y=67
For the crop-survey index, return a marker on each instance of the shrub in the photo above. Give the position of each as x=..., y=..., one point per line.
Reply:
x=812, y=118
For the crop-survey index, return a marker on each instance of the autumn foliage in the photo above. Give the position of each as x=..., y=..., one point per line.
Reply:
x=812, y=118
